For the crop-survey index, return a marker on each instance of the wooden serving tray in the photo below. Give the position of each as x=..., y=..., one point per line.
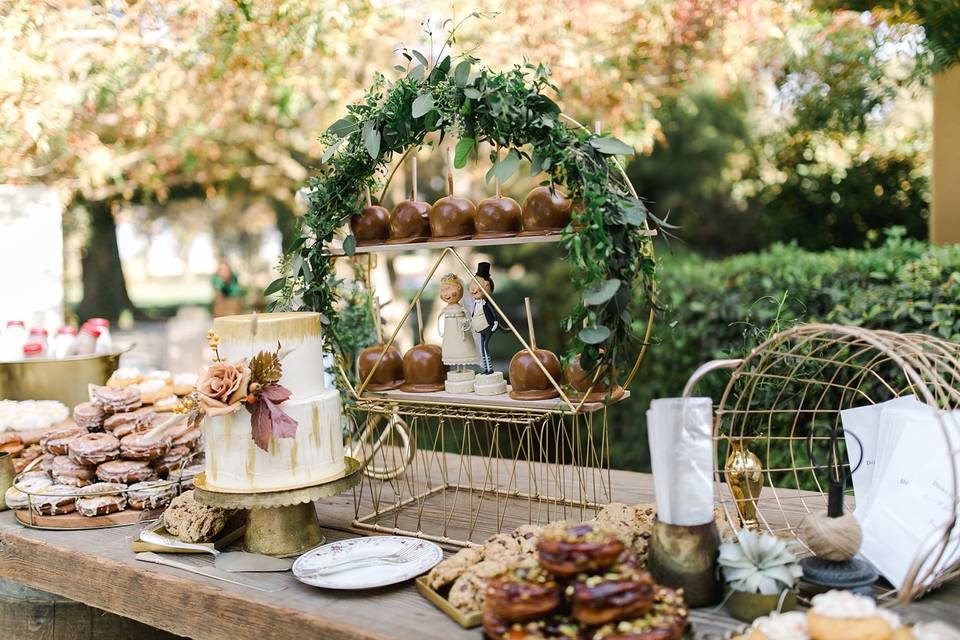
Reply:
x=76, y=521
x=465, y=620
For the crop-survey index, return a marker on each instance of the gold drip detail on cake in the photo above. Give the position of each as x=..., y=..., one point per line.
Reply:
x=283, y=327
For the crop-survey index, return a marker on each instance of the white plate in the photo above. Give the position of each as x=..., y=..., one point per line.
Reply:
x=370, y=576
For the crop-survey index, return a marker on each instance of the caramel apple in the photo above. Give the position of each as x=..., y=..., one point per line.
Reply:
x=423, y=369
x=388, y=374
x=497, y=217
x=410, y=221
x=545, y=211
x=451, y=217
x=371, y=225
x=581, y=381
x=527, y=380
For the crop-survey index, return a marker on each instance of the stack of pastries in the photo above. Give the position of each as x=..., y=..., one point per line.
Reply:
x=107, y=459
x=842, y=615
x=582, y=583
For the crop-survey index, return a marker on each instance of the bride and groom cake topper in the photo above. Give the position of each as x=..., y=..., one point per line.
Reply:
x=466, y=335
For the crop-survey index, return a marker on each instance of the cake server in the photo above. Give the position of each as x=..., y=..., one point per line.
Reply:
x=232, y=561
x=156, y=558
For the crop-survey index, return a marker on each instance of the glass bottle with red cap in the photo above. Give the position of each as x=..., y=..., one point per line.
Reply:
x=12, y=341
x=62, y=341
x=86, y=341
x=38, y=335
x=32, y=350
x=104, y=341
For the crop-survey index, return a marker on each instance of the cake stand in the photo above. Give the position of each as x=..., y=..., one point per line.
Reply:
x=281, y=523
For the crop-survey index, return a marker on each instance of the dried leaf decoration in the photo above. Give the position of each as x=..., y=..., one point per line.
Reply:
x=267, y=419
x=265, y=368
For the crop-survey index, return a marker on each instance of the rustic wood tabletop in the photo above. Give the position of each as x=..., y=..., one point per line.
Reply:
x=98, y=568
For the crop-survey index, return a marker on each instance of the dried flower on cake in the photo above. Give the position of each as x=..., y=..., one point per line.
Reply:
x=222, y=385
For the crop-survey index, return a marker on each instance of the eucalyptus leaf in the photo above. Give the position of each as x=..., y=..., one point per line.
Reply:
x=504, y=168
x=416, y=74
x=462, y=152
x=601, y=292
x=422, y=105
x=594, y=335
x=462, y=73
x=472, y=93
x=274, y=286
x=296, y=264
x=611, y=146
x=371, y=139
x=419, y=56
x=350, y=245
x=635, y=214
x=332, y=149
x=343, y=127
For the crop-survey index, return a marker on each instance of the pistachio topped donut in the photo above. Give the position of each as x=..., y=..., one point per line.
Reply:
x=666, y=620
x=620, y=593
x=94, y=448
x=581, y=548
x=526, y=592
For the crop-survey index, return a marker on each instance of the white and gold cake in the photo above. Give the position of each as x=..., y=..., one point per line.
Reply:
x=234, y=462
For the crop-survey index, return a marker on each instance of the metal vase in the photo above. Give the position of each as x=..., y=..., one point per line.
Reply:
x=747, y=607
x=7, y=475
x=744, y=474
x=685, y=557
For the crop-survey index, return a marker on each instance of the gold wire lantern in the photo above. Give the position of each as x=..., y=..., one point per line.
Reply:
x=798, y=381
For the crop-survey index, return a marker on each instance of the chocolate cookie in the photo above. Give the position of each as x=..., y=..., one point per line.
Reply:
x=447, y=571
x=193, y=522
x=94, y=448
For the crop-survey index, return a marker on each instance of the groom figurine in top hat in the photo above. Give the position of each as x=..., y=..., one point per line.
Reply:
x=485, y=320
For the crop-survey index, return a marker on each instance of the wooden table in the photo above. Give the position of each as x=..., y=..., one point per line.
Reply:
x=98, y=568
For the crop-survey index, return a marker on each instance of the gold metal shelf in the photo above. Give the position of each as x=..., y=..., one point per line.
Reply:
x=461, y=401
x=441, y=244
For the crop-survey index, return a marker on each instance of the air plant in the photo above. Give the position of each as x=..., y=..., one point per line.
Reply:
x=759, y=563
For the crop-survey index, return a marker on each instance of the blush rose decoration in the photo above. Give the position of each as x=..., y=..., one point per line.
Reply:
x=223, y=387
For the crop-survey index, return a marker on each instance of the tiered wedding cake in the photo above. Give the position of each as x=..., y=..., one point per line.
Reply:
x=234, y=461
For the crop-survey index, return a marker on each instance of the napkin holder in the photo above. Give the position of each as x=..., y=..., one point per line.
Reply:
x=685, y=557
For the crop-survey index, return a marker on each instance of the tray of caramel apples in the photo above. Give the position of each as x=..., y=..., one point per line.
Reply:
x=114, y=461
x=564, y=580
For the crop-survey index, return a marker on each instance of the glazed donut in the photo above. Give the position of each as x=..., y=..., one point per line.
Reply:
x=151, y=494
x=126, y=471
x=616, y=595
x=46, y=462
x=67, y=471
x=31, y=482
x=526, y=592
x=94, y=448
x=142, y=446
x=117, y=399
x=28, y=455
x=88, y=416
x=188, y=438
x=55, y=500
x=582, y=548
x=666, y=620
x=57, y=441
x=11, y=443
x=91, y=506
x=171, y=460
x=123, y=424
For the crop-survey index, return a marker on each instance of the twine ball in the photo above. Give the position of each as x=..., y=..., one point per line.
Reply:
x=835, y=539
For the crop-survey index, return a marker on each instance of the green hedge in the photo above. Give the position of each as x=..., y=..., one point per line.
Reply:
x=721, y=308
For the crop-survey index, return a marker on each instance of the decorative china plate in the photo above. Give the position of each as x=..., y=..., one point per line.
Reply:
x=369, y=576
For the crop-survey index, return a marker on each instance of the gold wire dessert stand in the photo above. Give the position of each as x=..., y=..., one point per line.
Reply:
x=281, y=523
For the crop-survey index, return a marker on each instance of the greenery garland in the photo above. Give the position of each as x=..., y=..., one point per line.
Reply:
x=611, y=259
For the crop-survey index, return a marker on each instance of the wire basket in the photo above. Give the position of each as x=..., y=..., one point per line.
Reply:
x=798, y=381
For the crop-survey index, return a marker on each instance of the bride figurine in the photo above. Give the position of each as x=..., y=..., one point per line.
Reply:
x=458, y=347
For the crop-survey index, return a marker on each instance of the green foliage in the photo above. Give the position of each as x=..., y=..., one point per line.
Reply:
x=719, y=309
x=510, y=110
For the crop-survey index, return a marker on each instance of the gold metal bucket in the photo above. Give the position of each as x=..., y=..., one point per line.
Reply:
x=63, y=379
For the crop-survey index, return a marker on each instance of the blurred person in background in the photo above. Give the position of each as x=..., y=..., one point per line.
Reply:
x=227, y=294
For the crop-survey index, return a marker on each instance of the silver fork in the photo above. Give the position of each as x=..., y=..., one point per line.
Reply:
x=402, y=556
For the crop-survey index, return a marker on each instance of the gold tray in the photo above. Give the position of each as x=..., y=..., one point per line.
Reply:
x=226, y=537
x=465, y=620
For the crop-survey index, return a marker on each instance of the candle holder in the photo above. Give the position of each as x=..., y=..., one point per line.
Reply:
x=685, y=557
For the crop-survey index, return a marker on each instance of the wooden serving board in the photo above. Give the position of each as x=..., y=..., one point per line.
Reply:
x=76, y=521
